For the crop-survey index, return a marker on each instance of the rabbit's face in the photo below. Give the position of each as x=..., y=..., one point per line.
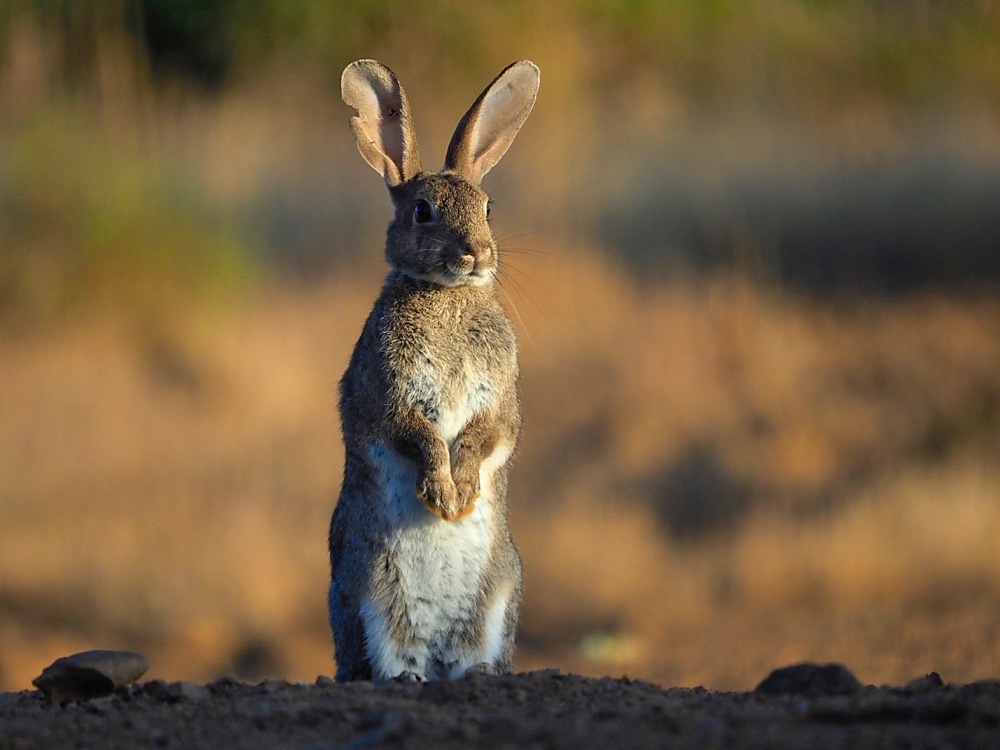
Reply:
x=440, y=232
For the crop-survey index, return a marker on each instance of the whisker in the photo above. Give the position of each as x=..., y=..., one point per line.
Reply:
x=516, y=235
x=533, y=252
x=523, y=291
x=517, y=288
x=517, y=312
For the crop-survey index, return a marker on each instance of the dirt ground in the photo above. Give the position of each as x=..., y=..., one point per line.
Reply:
x=814, y=707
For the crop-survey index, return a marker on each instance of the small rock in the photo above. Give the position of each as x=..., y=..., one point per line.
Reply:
x=191, y=692
x=272, y=686
x=158, y=690
x=90, y=674
x=175, y=692
x=325, y=682
x=223, y=684
x=924, y=684
x=539, y=674
x=810, y=679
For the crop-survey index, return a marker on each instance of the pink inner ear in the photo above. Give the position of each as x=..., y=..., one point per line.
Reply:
x=381, y=127
x=390, y=131
x=503, y=111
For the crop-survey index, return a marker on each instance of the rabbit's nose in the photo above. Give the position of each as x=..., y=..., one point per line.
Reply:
x=465, y=263
x=479, y=254
x=473, y=257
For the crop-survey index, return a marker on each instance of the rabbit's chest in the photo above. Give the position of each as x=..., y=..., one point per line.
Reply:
x=449, y=395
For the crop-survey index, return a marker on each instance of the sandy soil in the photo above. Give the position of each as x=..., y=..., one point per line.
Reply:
x=814, y=708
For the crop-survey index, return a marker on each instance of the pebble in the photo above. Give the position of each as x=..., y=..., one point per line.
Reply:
x=272, y=686
x=192, y=692
x=175, y=692
x=542, y=674
x=811, y=680
x=924, y=684
x=90, y=674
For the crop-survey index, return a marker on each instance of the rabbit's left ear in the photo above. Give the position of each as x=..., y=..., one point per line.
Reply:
x=489, y=127
x=382, y=128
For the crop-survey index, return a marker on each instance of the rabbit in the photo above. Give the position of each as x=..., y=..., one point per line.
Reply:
x=425, y=577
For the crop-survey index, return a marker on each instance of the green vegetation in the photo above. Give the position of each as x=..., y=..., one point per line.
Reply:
x=796, y=52
x=88, y=223
x=792, y=51
x=715, y=463
x=85, y=221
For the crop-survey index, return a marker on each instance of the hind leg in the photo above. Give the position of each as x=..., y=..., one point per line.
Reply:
x=504, y=663
x=393, y=649
x=348, y=639
x=502, y=658
x=493, y=653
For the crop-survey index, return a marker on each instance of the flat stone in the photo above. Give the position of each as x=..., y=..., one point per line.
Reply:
x=811, y=680
x=90, y=674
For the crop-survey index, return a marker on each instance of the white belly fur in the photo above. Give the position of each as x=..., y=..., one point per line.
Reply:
x=476, y=395
x=441, y=564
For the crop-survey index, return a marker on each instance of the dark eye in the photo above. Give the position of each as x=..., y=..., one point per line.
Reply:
x=489, y=206
x=422, y=212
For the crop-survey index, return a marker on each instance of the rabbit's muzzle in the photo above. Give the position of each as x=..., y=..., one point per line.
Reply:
x=473, y=262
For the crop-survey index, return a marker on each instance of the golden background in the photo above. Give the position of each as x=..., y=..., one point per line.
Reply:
x=751, y=250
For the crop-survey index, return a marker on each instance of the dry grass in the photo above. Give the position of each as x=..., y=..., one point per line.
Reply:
x=713, y=480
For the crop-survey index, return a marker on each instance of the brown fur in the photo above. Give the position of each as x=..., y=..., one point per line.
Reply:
x=430, y=397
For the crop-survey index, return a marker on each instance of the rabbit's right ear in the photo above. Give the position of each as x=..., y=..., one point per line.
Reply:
x=382, y=128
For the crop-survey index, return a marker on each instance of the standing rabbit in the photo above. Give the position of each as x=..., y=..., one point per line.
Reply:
x=426, y=581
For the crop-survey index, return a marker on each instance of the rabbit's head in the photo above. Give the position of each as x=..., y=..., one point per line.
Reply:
x=440, y=232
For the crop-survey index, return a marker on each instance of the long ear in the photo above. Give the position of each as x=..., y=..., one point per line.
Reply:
x=382, y=128
x=489, y=127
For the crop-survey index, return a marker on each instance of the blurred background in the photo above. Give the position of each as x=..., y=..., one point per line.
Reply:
x=752, y=251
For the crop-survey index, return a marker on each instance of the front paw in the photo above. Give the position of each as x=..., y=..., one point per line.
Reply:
x=468, y=493
x=466, y=485
x=440, y=496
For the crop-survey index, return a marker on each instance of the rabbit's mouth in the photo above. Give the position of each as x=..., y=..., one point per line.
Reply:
x=445, y=275
x=455, y=274
x=469, y=269
x=464, y=269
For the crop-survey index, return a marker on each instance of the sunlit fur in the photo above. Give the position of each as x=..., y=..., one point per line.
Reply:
x=457, y=247
x=426, y=581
